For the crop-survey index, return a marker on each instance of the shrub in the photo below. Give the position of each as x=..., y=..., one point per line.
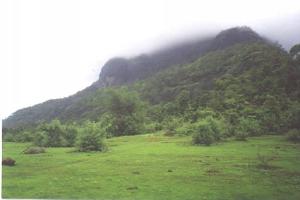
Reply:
x=92, y=138
x=26, y=136
x=8, y=137
x=40, y=139
x=153, y=127
x=34, y=150
x=170, y=125
x=247, y=126
x=293, y=135
x=54, y=132
x=8, y=162
x=126, y=112
x=218, y=127
x=204, y=136
x=241, y=136
x=208, y=131
x=70, y=135
x=185, y=129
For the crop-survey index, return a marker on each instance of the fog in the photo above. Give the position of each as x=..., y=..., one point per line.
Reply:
x=54, y=48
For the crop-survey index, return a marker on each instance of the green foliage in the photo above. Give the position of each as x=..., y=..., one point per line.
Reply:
x=125, y=111
x=40, y=139
x=204, y=134
x=182, y=101
x=253, y=89
x=292, y=115
x=208, y=131
x=54, y=133
x=91, y=138
x=295, y=49
x=170, y=125
x=8, y=137
x=34, y=150
x=21, y=136
x=293, y=135
x=241, y=135
x=249, y=126
x=70, y=135
x=153, y=127
x=185, y=129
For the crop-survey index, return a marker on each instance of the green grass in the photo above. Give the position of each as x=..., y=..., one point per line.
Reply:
x=157, y=167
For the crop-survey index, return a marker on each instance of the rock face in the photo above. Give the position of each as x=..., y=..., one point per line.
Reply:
x=118, y=71
x=235, y=35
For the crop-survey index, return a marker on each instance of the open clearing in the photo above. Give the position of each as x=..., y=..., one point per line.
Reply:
x=157, y=167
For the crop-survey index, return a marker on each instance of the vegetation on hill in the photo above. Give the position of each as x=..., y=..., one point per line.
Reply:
x=250, y=86
x=120, y=71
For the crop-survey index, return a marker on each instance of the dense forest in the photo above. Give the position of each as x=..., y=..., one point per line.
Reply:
x=235, y=84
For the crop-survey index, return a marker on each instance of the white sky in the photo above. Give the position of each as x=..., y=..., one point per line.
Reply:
x=54, y=48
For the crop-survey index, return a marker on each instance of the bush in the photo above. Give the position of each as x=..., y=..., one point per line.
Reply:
x=92, y=138
x=54, y=132
x=8, y=137
x=126, y=112
x=170, y=125
x=208, y=131
x=70, y=135
x=40, y=139
x=8, y=162
x=153, y=127
x=185, y=129
x=293, y=135
x=34, y=150
x=247, y=126
x=241, y=136
x=204, y=136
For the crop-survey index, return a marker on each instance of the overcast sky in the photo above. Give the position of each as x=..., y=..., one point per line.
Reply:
x=54, y=48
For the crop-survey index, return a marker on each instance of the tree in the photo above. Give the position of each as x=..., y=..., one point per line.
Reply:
x=208, y=131
x=70, y=135
x=54, y=132
x=92, y=137
x=125, y=109
x=295, y=52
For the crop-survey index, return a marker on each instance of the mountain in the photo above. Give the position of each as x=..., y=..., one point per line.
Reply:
x=192, y=65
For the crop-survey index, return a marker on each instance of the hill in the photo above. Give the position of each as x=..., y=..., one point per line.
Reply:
x=120, y=71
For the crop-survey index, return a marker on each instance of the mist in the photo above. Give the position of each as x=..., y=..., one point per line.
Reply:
x=52, y=49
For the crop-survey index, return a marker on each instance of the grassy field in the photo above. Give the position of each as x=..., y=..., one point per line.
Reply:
x=157, y=167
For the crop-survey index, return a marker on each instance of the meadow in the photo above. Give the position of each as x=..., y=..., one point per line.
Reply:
x=154, y=166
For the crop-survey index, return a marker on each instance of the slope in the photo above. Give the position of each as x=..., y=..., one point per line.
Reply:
x=121, y=71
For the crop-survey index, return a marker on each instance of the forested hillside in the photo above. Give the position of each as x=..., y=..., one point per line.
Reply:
x=237, y=80
x=120, y=71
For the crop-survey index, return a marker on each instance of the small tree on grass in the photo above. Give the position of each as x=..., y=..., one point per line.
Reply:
x=247, y=126
x=53, y=132
x=204, y=136
x=126, y=112
x=40, y=139
x=208, y=131
x=92, y=138
x=70, y=135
